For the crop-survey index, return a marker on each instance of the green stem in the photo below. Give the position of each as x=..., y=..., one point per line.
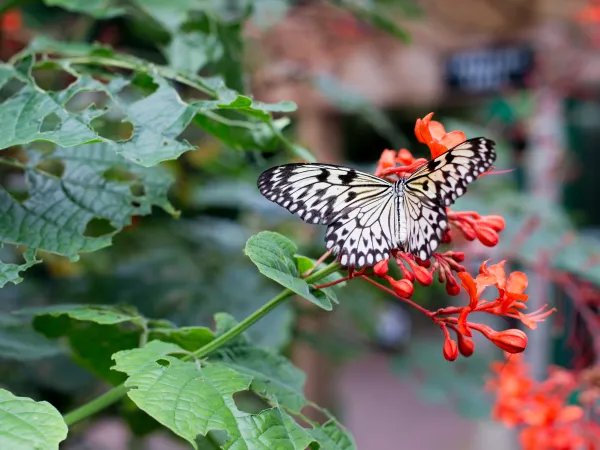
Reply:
x=98, y=404
x=119, y=391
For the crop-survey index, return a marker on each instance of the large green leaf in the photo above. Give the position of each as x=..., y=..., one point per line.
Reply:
x=29, y=425
x=273, y=254
x=94, y=333
x=19, y=341
x=191, y=399
x=59, y=209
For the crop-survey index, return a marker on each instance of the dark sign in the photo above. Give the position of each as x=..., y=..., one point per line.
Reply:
x=489, y=70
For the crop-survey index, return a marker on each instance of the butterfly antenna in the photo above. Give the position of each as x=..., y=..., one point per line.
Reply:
x=491, y=171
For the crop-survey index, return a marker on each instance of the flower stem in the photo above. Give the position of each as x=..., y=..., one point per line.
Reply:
x=115, y=394
x=405, y=300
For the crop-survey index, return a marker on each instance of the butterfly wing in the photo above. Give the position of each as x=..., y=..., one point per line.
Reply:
x=436, y=185
x=360, y=209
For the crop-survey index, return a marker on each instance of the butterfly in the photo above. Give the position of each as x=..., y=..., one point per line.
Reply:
x=367, y=216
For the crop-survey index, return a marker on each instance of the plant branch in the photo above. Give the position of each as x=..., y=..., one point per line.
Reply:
x=115, y=394
x=98, y=404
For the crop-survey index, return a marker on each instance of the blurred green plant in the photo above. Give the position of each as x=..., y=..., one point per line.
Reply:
x=92, y=121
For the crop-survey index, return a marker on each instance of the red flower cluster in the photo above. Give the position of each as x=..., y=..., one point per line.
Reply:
x=541, y=409
x=510, y=299
x=471, y=225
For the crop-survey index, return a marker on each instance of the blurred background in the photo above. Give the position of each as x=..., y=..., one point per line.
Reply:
x=525, y=73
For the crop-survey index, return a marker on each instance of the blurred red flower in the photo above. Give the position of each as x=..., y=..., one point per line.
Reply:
x=541, y=408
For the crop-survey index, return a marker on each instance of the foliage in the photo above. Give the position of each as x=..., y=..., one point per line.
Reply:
x=105, y=141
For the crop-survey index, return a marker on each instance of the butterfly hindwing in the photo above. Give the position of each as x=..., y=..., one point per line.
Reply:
x=359, y=209
x=436, y=185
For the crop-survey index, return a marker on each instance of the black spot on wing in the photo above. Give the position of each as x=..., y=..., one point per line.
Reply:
x=348, y=177
x=433, y=164
x=323, y=176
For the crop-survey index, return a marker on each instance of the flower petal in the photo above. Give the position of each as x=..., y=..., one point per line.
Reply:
x=570, y=413
x=469, y=285
x=498, y=271
x=422, y=129
x=462, y=322
x=453, y=138
x=517, y=282
x=437, y=130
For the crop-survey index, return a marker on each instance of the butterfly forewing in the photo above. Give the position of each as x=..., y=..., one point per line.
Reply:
x=438, y=184
x=359, y=209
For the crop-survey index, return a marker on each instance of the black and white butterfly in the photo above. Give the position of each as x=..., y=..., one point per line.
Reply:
x=367, y=216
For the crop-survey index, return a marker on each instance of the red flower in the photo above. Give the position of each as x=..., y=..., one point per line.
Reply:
x=434, y=135
x=547, y=421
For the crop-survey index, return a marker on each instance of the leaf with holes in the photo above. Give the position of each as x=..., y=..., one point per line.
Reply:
x=92, y=183
x=29, y=425
x=272, y=374
x=10, y=272
x=192, y=398
x=332, y=436
x=157, y=119
x=273, y=254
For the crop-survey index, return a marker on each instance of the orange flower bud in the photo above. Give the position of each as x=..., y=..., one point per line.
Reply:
x=450, y=349
x=458, y=256
x=452, y=287
x=404, y=288
x=468, y=232
x=466, y=346
x=422, y=275
x=381, y=268
x=497, y=223
x=447, y=236
x=487, y=236
x=511, y=341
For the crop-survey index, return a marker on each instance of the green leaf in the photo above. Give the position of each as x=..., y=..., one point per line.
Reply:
x=58, y=209
x=11, y=272
x=94, y=333
x=131, y=361
x=376, y=18
x=19, y=341
x=332, y=436
x=273, y=254
x=192, y=399
x=305, y=264
x=271, y=373
x=101, y=9
x=188, y=338
x=100, y=314
x=29, y=425
x=158, y=119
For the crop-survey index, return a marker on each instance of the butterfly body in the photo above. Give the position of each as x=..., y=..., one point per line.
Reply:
x=368, y=216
